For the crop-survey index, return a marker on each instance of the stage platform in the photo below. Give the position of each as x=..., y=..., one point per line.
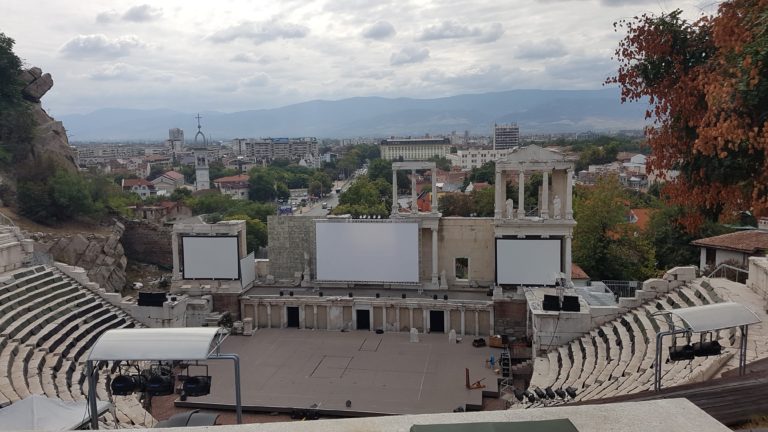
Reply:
x=287, y=369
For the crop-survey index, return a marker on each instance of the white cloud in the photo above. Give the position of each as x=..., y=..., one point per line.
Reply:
x=409, y=54
x=256, y=80
x=548, y=48
x=379, y=30
x=260, y=32
x=100, y=46
x=138, y=14
x=453, y=30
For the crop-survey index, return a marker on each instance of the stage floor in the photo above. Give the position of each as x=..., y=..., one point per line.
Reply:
x=380, y=374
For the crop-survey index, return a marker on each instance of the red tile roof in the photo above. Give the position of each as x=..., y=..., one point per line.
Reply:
x=240, y=178
x=174, y=175
x=643, y=216
x=478, y=186
x=751, y=241
x=578, y=273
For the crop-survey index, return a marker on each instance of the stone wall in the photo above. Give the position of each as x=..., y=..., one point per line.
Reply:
x=758, y=277
x=102, y=257
x=289, y=238
x=471, y=238
x=510, y=317
x=148, y=243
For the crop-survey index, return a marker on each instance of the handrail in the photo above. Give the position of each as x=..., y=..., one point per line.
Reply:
x=5, y=220
x=725, y=266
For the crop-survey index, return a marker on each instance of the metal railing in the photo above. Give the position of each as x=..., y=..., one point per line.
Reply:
x=622, y=288
x=5, y=220
x=727, y=271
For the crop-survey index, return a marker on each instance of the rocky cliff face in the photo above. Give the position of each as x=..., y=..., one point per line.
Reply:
x=50, y=136
x=101, y=256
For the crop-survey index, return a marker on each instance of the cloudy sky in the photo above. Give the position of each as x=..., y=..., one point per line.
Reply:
x=230, y=55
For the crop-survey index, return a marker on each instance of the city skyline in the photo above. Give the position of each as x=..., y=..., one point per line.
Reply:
x=233, y=55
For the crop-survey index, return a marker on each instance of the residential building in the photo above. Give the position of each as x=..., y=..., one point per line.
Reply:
x=175, y=141
x=268, y=149
x=506, y=136
x=734, y=248
x=477, y=157
x=235, y=186
x=141, y=187
x=414, y=149
x=168, y=182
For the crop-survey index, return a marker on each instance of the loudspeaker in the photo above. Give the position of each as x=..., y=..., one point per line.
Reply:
x=571, y=304
x=551, y=303
x=152, y=299
x=704, y=349
x=681, y=353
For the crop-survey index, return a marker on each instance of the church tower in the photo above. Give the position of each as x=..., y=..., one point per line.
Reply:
x=200, y=150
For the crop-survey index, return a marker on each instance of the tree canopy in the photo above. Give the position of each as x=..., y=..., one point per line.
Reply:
x=707, y=83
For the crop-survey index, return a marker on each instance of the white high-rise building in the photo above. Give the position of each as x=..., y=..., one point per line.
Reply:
x=506, y=136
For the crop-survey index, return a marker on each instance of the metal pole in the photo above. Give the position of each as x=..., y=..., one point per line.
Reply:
x=657, y=365
x=238, y=400
x=743, y=350
x=92, y=395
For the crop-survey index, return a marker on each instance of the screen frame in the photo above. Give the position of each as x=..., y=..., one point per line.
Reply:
x=559, y=238
x=184, y=267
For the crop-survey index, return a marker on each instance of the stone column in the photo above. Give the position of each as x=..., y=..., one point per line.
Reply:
x=490, y=322
x=544, y=195
x=175, y=250
x=410, y=317
x=498, y=202
x=447, y=320
x=414, y=197
x=462, y=322
x=327, y=317
x=434, y=191
x=394, y=191
x=569, y=194
x=425, y=320
x=397, y=317
x=383, y=317
x=302, y=317
x=269, y=315
x=477, y=323
x=256, y=315
x=434, y=258
x=567, y=259
x=521, y=194
x=283, y=316
x=314, y=315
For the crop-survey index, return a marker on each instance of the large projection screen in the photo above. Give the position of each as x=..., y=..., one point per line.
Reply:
x=367, y=251
x=210, y=257
x=528, y=261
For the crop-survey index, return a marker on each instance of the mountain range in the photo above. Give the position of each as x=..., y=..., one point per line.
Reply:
x=535, y=111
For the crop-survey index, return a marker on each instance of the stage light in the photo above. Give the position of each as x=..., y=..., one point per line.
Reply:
x=160, y=381
x=681, y=353
x=197, y=385
x=550, y=394
x=540, y=393
x=123, y=385
x=519, y=395
x=560, y=393
x=530, y=396
x=704, y=349
x=571, y=391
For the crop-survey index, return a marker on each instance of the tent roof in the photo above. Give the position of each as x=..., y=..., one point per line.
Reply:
x=191, y=343
x=40, y=413
x=715, y=316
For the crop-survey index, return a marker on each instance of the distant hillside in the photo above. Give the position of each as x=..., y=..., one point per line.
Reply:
x=536, y=111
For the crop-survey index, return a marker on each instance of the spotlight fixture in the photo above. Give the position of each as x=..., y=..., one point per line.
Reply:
x=571, y=391
x=560, y=393
x=530, y=396
x=519, y=395
x=540, y=393
x=197, y=385
x=123, y=385
x=704, y=349
x=681, y=353
x=550, y=394
x=160, y=381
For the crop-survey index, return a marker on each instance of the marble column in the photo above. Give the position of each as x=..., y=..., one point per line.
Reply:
x=425, y=320
x=394, y=191
x=255, y=316
x=410, y=317
x=314, y=315
x=521, y=194
x=302, y=317
x=477, y=323
x=397, y=318
x=498, y=202
x=434, y=258
x=490, y=322
x=434, y=191
x=384, y=317
x=569, y=194
x=414, y=196
x=175, y=250
x=544, y=195
x=269, y=315
x=567, y=259
x=463, y=322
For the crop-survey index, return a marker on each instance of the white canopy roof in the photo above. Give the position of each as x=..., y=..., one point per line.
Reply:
x=715, y=316
x=39, y=413
x=192, y=343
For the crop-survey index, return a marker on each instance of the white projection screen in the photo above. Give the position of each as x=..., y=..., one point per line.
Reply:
x=367, y=251
x=210, y=257
x=528, y=261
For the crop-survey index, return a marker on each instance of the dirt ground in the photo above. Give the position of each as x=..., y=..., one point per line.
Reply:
x=72, y=227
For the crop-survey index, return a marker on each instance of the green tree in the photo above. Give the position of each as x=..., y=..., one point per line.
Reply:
x=16, y=122
x=441, y=163
x=485, y=173
x=325, y=182
x=255, y=232
x=282, y=192
x=180, y=194
x=484, y=202
x=456, y=204
x=380, y=169
x=601, y=244
x=261, y=186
